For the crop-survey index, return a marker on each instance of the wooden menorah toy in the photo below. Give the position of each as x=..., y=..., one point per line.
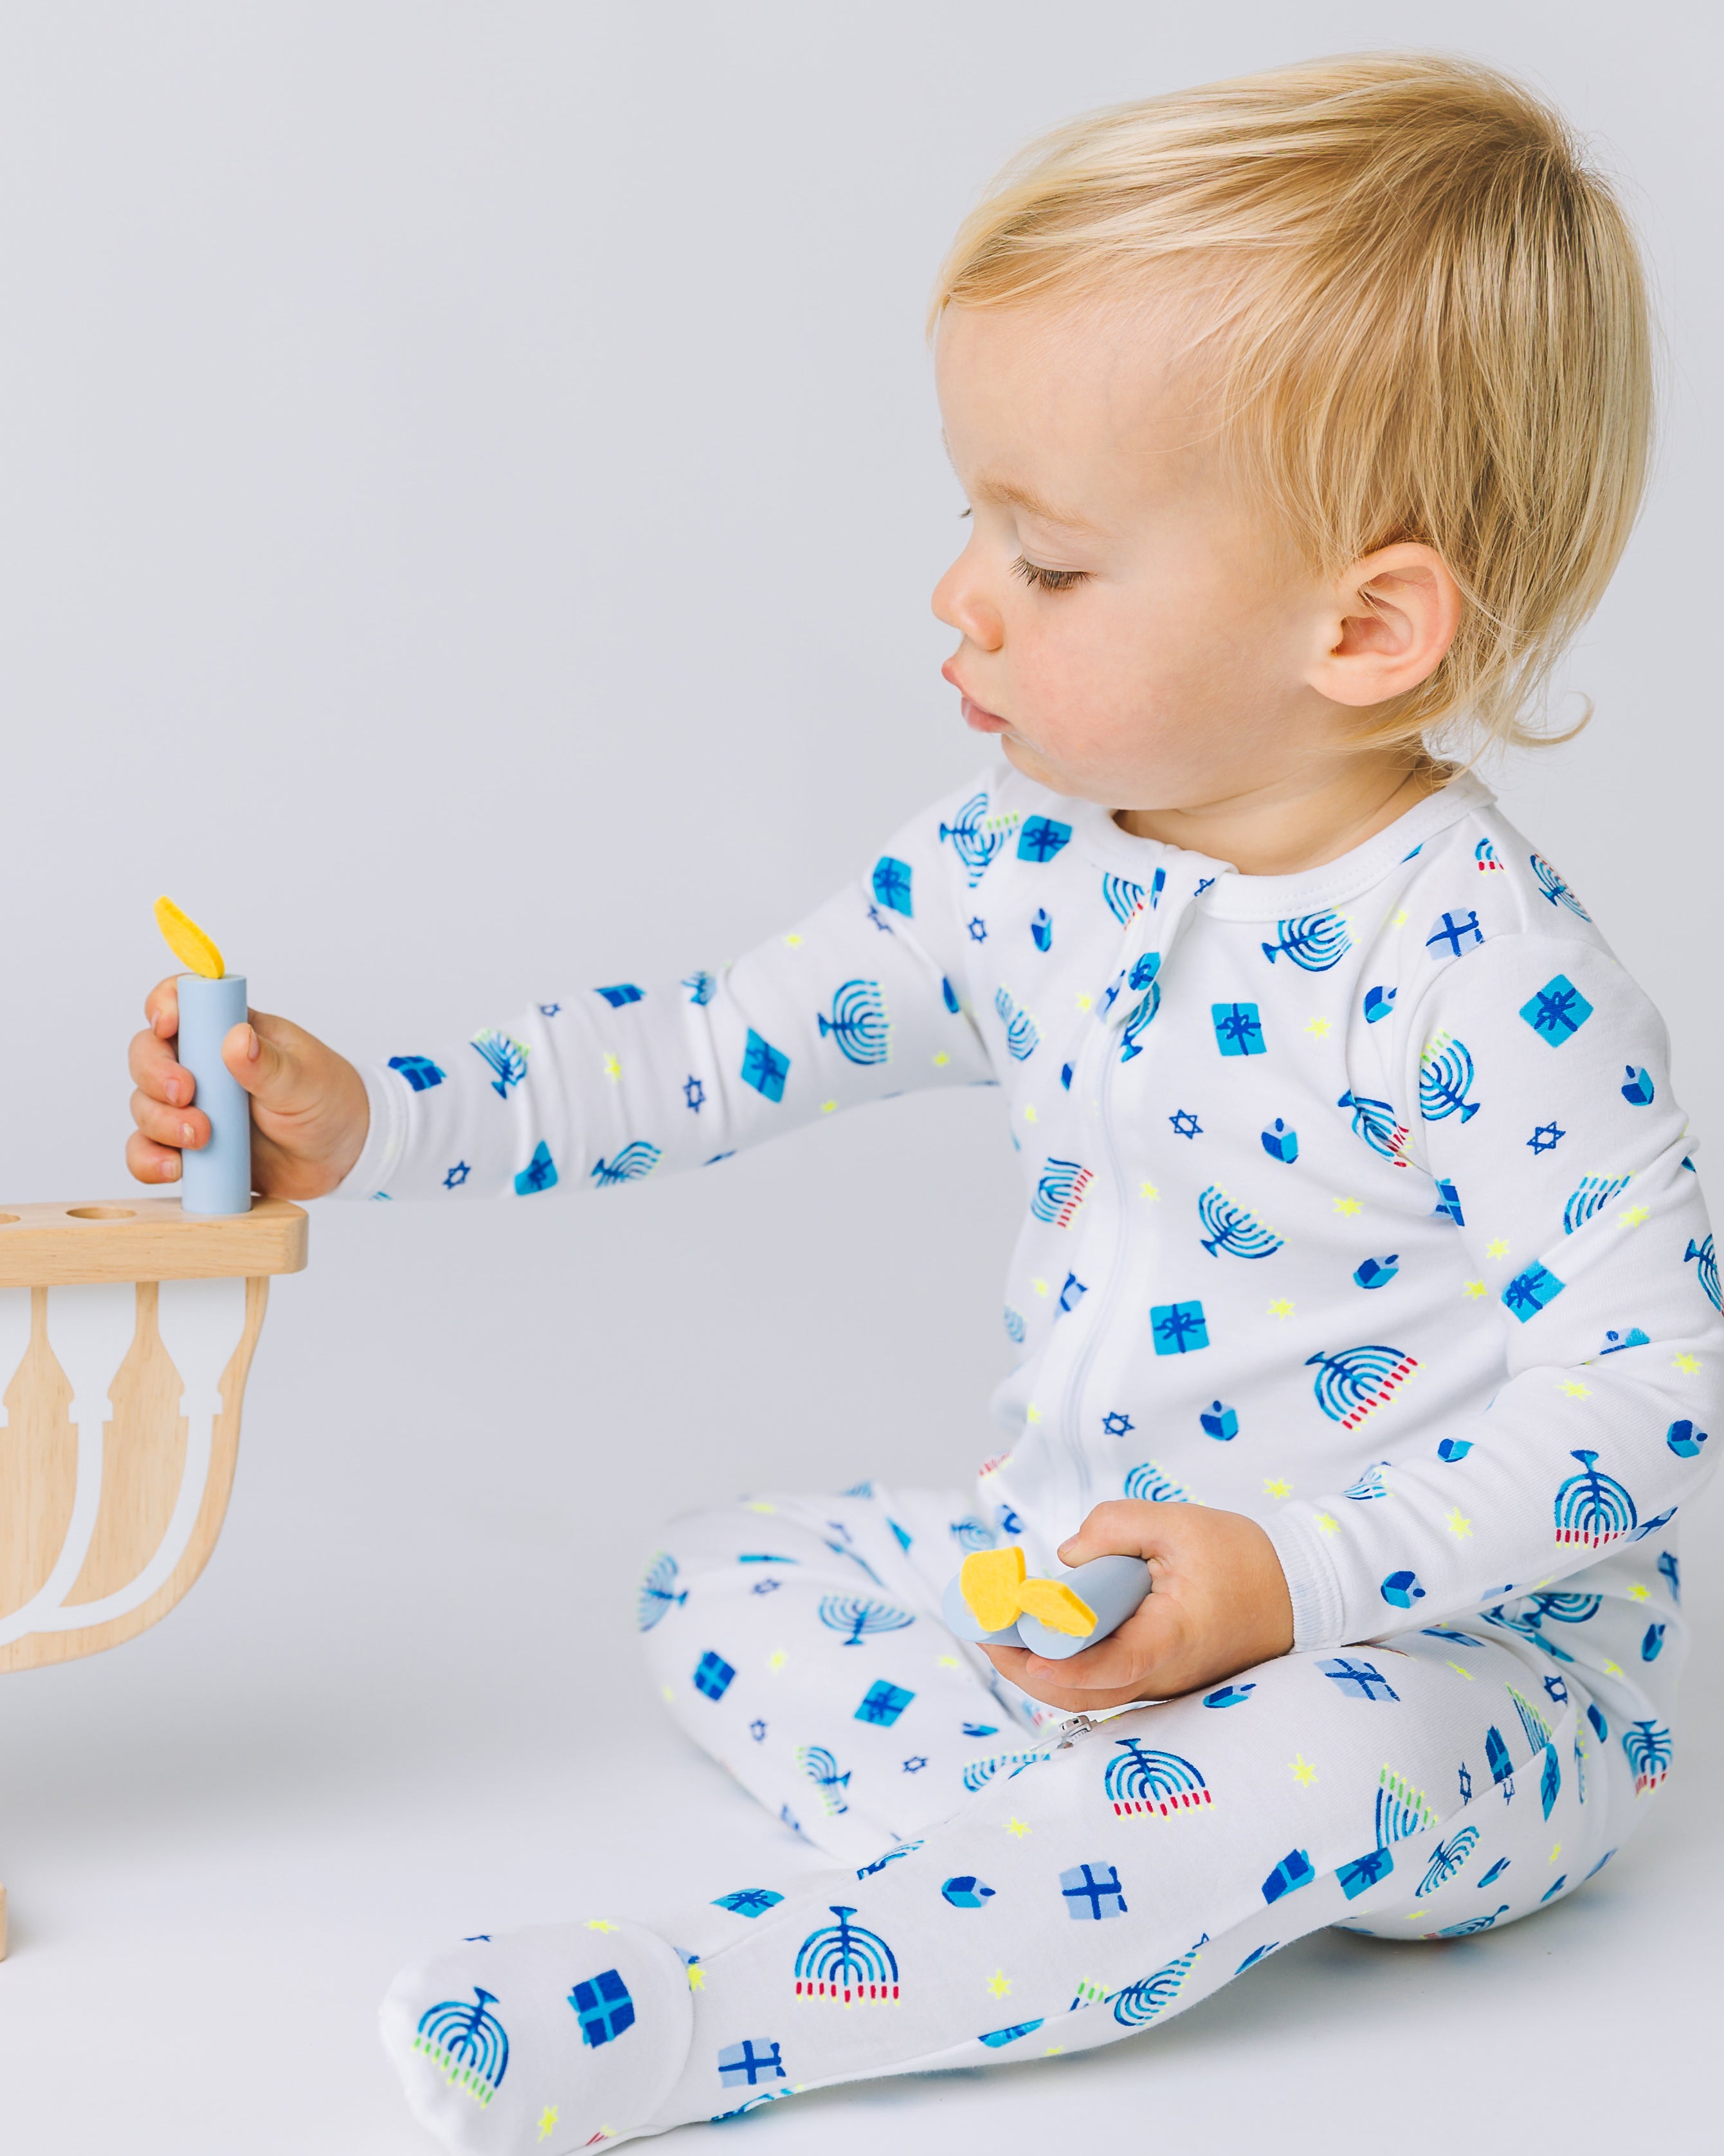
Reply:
x=126, y=1331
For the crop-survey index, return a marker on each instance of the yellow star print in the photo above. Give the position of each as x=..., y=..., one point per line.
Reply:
x=669, y=1695
x=697, y=1977
x=1029, y=1114
x=1327, y=1525
x=1018, y=1827
x=1275, y=1487
x=1148, y=1190
x=1474, y=1290
x=547, y=2119
x=1459, y=1523
x=1303, y=1771
x=1039, y=1285
x=1497, y=1249
x=941, y=1059
x=1555, y=1851
x=1639, y=1592
x=1574, y=1389
x=793, y=942
x=776, y=1660
x=1346, y=1205
x=1318, y=1028
x=829, y=1107
x=1400, y=919
x=1280, y=1308
x=947, y=1662
x=1631, y=1216
x=600, y=1924
x=1612, y=1670
x=612, y=1069
x=999, y=1983
x=1086, y=1003
x=1687, y=1364
x=1032, y=1413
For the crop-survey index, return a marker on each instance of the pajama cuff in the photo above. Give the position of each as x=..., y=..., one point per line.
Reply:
x=1313, y=1584
x=385, y=1142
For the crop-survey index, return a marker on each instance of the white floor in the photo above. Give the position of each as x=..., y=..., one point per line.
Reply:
x=221, y=1841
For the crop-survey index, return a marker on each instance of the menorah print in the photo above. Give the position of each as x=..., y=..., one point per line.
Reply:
x=1124, y=897
x=980, y=1772
x=1446, y=1859
x=1014, y=1325
x=1704, y=1258
x=1470, y=1925
x=1591, y=1508
x=1060, y=1188
x=1485, y=854
x=822, y=1769
x=1313, y=941
x=1142, y=1016
x=1377, y=1122
x=702, y=987
x=1358, y=1381
x=1567, y=1608
x=1151, y=1996
x=1022, y=1036
x=1151, y=1483
x=633, y=1161
x=972, y=1534
x=858, y=1024
x=1401, y=1811
x=1554, y=887
x=1233, y=1229
x=1445, y=1078
x=861, y=1620
x=507, y=1058
x=845, y=1963
x=976, y=837
x=468, y=2042
x=1648, y=1749
x=1538, y=1729
x=658, y=1595
x=1140, y=1780
x=1590, y=1195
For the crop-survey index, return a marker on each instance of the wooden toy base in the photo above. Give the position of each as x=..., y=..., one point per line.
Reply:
x=126, y=1333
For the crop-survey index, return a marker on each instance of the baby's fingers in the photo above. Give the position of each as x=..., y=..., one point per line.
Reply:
x=167, y=1125
x=161, y=1007
x=150, y=1163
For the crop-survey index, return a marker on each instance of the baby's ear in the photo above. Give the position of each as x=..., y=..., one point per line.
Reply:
x=1386, y=625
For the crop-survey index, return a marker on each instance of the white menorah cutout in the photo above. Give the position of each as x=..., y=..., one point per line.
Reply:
x=127, y=1332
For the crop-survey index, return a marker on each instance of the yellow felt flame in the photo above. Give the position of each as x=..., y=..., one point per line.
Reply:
x=990, y=1581
x=997, y=1595
x=196, y=950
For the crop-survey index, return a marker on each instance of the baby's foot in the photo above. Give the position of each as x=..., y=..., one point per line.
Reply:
x=540, y=2040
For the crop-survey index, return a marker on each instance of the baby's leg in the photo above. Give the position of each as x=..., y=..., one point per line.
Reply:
x=795, y=1640
x=1428, y=1788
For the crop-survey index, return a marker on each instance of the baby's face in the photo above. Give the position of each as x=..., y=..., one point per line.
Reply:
x=1133, y=633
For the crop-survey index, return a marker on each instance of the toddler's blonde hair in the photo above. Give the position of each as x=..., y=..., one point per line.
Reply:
x=1423, y=308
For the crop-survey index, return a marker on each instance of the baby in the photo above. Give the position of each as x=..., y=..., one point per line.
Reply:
x=1364, y=1288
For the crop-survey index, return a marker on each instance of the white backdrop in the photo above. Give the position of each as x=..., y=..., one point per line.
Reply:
x=470, y=490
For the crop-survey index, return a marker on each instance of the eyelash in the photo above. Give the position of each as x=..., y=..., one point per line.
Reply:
x=1044, y=580
x=1048, y=580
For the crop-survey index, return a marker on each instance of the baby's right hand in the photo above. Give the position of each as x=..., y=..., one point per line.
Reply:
x=309, y=1111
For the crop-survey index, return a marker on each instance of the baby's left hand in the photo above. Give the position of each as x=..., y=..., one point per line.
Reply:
x=1219, y=1605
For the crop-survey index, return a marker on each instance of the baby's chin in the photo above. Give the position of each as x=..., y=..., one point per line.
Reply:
x=1056, y=776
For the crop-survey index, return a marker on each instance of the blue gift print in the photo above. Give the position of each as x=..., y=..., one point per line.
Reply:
x=1041, y=837
x=891, y=885
x=764, y=1067
x=1239, y=1029
x=1178, y=1328
x=603, y=2006
x=1528, y=1292
x=624, y=992
x=540, y=1172
x=713, y=1674
x=1557, y=1011
x=420, y=1072
x=883, y=1703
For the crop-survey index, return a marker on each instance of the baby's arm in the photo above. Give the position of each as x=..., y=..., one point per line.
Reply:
x=602, y=1085
x=1567, y=1175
